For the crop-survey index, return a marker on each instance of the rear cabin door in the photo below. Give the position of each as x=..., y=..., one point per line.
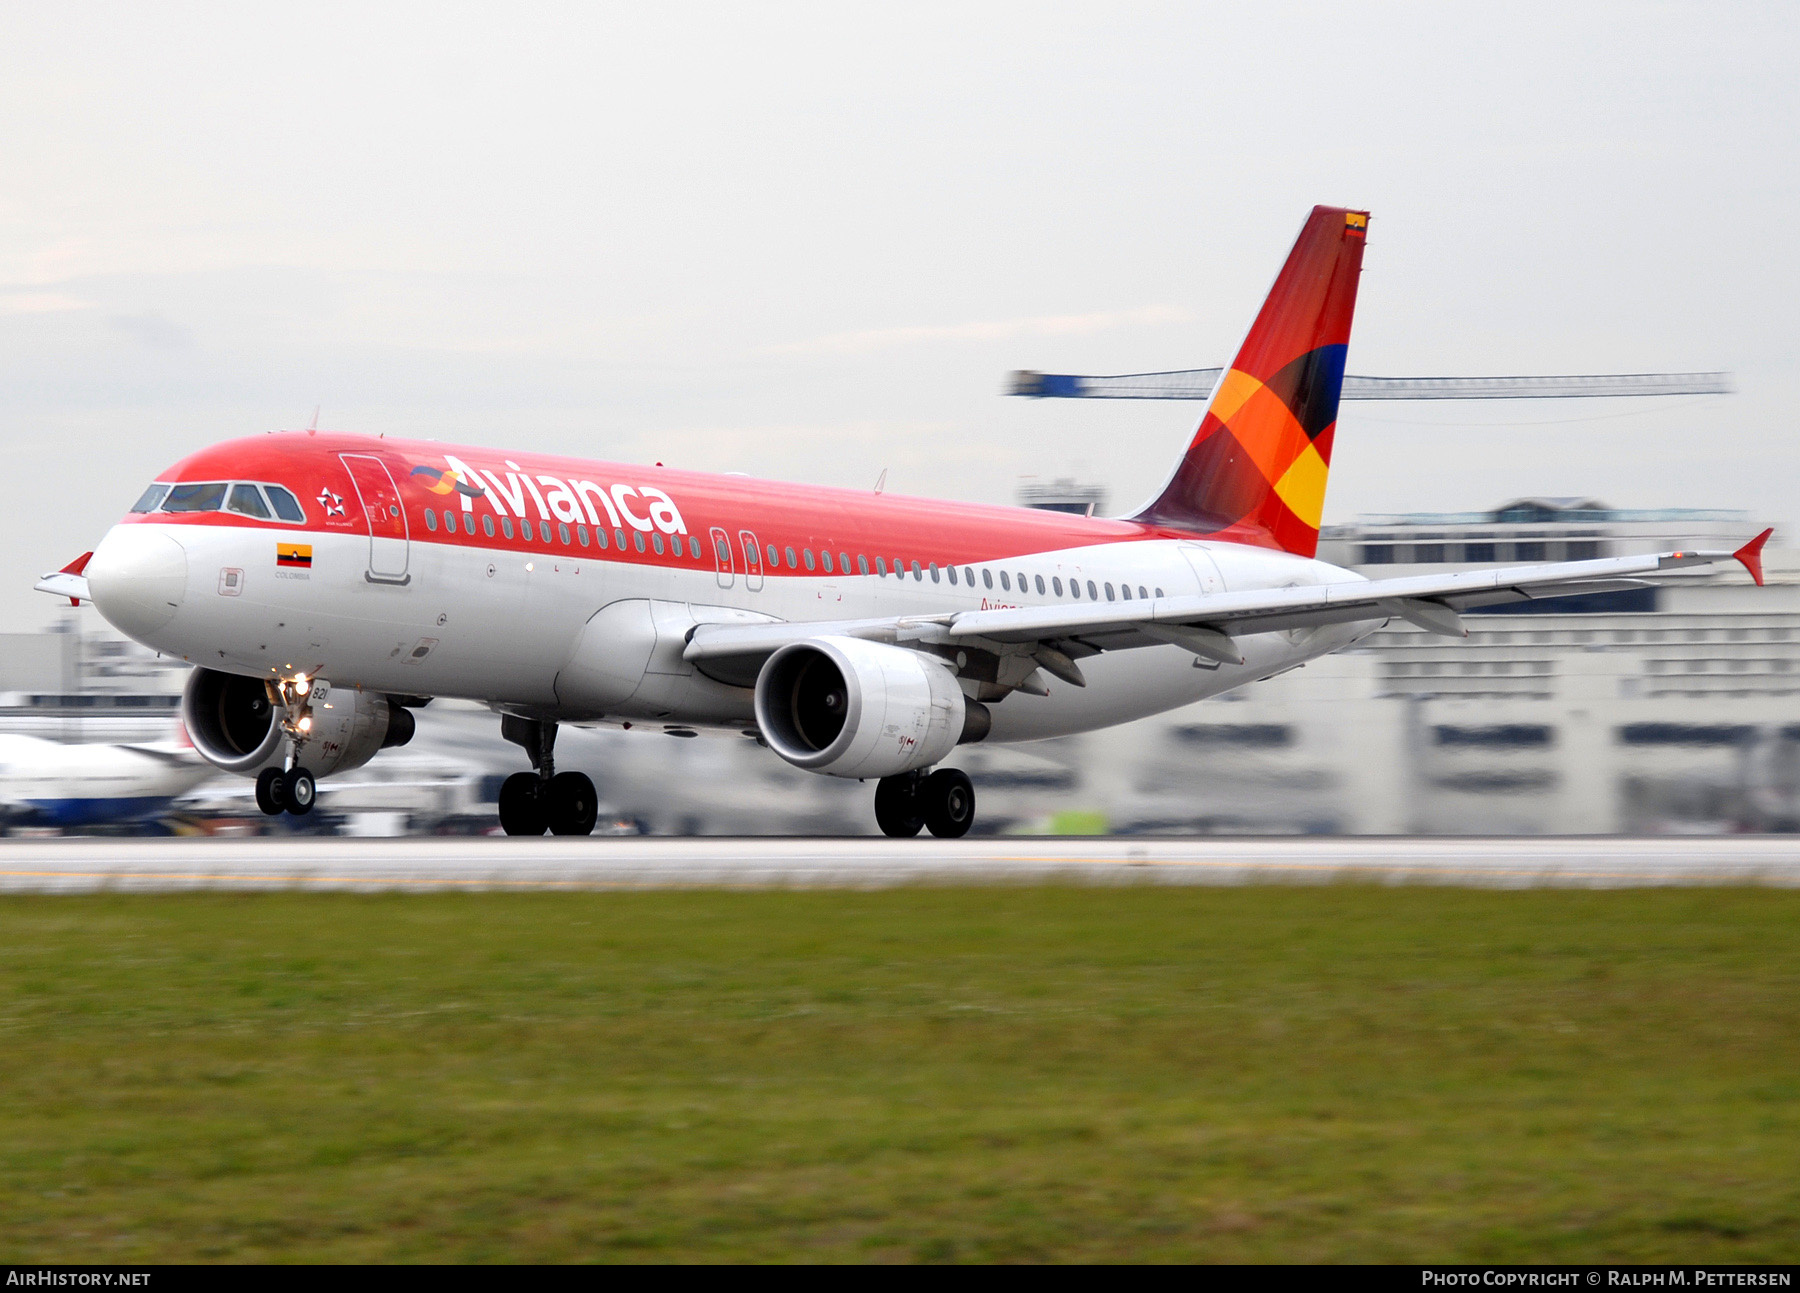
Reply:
x=388, y=545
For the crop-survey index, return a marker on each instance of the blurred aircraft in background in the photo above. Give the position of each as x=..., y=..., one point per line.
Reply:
x=46, y=783
x=327, y=585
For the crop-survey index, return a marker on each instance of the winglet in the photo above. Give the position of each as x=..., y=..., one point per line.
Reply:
x=1750, y=555
x=69, y=581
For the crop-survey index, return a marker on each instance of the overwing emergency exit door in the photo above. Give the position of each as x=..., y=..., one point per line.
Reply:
x=389, y=549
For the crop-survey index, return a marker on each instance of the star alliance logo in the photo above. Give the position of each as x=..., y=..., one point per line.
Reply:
x=332, y=503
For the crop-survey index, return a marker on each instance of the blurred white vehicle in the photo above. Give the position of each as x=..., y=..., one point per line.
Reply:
x=45, y=783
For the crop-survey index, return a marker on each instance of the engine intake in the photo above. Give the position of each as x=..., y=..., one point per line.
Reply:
x=234, y=726
x=850, y=708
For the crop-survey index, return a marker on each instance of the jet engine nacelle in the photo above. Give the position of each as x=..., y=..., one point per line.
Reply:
x=234, y=726
x=850, y=708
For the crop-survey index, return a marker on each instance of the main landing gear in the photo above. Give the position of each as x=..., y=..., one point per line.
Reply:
x=289, y=788
x=943, y=803
x=291, y=791
x=565, y=803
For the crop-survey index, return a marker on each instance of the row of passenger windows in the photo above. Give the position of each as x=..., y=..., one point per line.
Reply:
x=262, y=502
x=1010, y=580
x=901, y=568
x=577, y=536
x=796, y=558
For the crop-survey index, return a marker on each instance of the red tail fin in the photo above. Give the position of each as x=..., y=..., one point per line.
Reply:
x=1258, y=463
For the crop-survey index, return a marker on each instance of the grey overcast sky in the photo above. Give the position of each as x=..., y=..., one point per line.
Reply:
x=809, y=242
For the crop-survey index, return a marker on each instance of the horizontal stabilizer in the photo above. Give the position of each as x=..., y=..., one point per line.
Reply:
x=69, y=581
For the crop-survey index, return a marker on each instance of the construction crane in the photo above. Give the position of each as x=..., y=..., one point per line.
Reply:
x=1197, y=384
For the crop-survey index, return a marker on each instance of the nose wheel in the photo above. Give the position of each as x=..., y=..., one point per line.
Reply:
x=943, y=803
x=290, y=789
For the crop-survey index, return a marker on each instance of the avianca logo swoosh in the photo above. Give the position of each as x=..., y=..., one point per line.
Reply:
x=440, y=481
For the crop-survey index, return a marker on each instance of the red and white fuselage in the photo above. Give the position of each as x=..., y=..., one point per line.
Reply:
x=566, y=589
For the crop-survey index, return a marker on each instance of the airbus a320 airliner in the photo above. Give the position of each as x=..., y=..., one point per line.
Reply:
x=324, y=585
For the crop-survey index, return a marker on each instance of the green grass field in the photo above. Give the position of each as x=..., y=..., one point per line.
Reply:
x=1270, y=1073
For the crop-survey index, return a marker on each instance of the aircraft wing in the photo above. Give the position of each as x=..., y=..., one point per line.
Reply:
x=1205, y=623
x=1263, y=610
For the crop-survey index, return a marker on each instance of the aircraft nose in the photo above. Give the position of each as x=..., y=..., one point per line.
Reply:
x=138, y=578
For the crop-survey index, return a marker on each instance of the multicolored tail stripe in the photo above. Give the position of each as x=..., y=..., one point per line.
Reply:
x=1258, y=464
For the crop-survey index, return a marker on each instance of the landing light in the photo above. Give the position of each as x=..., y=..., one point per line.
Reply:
x=306, y=723
x=301, y=685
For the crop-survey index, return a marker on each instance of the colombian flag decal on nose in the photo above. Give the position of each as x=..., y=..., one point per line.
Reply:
x=296, y=555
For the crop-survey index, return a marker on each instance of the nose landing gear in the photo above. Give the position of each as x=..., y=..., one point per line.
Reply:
x=943, y=803
x=565, y=803
x=289, y=788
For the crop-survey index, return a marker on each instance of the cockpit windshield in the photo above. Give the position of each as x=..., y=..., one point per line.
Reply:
x=151, y=500
x=195, y=498
x=286, y=507
x=248, y=500
x=260, y=502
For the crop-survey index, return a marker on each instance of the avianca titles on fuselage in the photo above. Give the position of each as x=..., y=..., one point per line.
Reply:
x=324, y=583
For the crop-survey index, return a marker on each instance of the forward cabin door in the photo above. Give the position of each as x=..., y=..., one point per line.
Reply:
x=753, y=571
x=389, y=549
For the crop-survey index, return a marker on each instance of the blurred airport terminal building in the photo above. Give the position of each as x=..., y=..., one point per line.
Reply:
x=1668, y=709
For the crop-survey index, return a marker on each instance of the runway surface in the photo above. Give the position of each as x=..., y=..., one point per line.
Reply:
x=85, y=865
